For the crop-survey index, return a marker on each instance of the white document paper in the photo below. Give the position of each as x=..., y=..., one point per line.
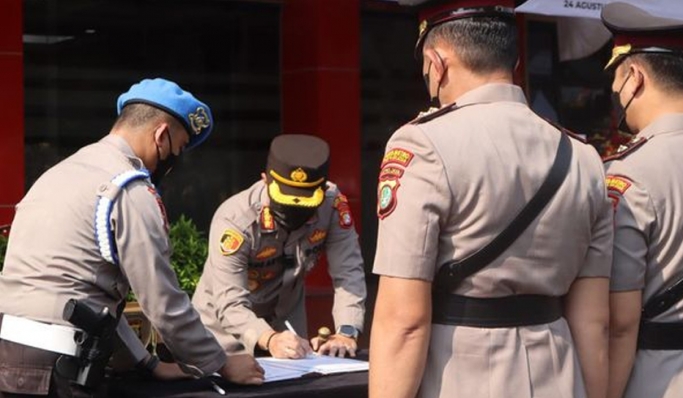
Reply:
x=286, y=369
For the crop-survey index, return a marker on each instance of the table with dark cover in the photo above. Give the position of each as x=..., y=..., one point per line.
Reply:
x=343, y=385
x=346, y=385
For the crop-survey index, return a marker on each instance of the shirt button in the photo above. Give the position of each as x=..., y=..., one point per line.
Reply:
x=20, y=381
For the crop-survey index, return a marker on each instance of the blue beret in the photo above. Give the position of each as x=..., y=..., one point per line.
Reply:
x=169, y=97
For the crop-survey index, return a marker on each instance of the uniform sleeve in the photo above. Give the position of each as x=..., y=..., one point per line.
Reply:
x=634, y=216
x=227, y=266
x=598, y=262
x=143, y=245
x=345, y=266
x=413, y=204
x=130, y=341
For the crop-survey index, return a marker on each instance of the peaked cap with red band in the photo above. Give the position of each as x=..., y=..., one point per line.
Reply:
x=637, y=31
x=435, y=13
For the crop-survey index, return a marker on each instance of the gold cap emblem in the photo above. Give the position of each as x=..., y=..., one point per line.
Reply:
x=299, y=175
x=423, y=27
x=618, y=52
x=199, y=120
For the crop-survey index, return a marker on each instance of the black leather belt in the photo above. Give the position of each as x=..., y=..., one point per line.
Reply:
x=660, y=336
x=500, y=312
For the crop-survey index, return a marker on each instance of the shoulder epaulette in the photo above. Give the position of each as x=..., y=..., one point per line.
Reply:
x=107, y=193
x=565, y=130
x=574, y=135
x=430, y=114
x=625, y=150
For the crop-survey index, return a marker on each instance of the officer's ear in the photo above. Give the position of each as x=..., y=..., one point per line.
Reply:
x=159, y=133
x=436, y=61
x=639, y=75
x=263, y=177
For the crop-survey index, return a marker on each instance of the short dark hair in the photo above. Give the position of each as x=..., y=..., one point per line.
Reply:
x=484, y=44
x=666, y=69
x=138, y=114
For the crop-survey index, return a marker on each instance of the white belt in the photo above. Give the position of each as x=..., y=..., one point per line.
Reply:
x=56, y=338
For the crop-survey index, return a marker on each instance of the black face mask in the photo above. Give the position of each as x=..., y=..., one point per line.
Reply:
x=619, y=110
x=433, y=101
x=164, y=166
x=290, y=218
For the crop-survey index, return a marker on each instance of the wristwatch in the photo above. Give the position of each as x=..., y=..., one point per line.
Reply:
x=348, y=331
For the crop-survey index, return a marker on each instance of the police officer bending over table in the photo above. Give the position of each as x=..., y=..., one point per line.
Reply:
x=262, y=243
x=495, y=232
x=91, y=228
x=645, y=183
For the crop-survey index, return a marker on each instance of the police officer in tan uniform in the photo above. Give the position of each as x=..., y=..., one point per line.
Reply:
x=451, y=181
x=91, y=228
x=645, y=183
x=263, y=242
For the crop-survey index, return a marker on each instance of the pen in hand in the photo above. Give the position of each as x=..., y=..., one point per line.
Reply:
x=290, y=328
x=306, y=346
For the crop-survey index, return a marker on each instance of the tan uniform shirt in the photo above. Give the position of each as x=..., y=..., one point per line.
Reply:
x=448, y=187
x=646, y=187
x=53, y=255
x=254, y=276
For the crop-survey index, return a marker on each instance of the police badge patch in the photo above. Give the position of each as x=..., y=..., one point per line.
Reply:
x=231, y=241
x=386, y=197
x=341, y=203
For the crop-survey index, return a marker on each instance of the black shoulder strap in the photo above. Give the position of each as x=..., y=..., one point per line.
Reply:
x=663, y=301
x=453, y=272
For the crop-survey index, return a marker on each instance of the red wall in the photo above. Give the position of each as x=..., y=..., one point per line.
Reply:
x=321, y=96
x=11, y=108
x=321, y=89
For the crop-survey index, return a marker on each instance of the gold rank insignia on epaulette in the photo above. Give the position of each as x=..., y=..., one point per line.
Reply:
x=433, y=113
x=266, y=220
x=626, y=149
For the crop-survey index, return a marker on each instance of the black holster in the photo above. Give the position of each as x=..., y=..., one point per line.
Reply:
x=660, y=336
x=95, y=344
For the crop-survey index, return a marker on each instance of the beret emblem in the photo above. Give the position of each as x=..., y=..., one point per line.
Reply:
x=199, y=120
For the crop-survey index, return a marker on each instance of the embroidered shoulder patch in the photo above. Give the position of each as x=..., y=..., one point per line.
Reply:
x=231, y=241
x=317, y=236
x=397, y=156
x=617, y=183
x=390, y=172
x=386, y=197
x=341, y=203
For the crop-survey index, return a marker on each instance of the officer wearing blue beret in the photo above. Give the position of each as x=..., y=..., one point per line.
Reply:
x=89, y=230
x=644, y=181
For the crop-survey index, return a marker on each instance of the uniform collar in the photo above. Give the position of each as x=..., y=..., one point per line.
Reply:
x=492, y=92
x=121, y=144
x=664, y=124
